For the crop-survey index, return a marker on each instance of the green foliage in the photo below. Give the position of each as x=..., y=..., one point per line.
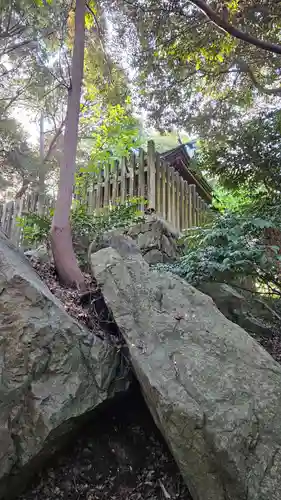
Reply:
x=115, y=135
x=88, y=227
x=248, y=156
x=121, y=215
x=234, y=200
x=35, y=229
x=164, y=142
x=109, y=129
x=233, y=246
x=85, y=226
x=191, y=73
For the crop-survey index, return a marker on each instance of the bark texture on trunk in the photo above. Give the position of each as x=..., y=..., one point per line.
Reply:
x=61, y=238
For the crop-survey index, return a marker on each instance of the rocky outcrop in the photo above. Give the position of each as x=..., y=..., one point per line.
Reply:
x=41, y=254
x=52, y=370
x=155, y=239
x=245, y=309
x=213, y=391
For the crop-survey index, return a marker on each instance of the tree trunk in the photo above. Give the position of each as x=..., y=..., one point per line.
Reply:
x=41, y=173
x=61, y=238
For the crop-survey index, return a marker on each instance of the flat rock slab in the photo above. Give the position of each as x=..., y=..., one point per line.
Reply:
x=52, y=370
x=213, y=391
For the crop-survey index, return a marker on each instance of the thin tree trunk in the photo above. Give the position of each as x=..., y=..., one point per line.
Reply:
x=61, y=238
x=41, y=174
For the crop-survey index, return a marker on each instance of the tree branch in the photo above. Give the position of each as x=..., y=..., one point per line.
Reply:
x=9, y=19
x=60, y=82
x=23, y=189
x=17, y=95
x=54, y=141
x=15, y=47
x=16, y=30
x=245, y=68
x=26, y=182
x=13, y=69
x=224, y=25
x=101, y=41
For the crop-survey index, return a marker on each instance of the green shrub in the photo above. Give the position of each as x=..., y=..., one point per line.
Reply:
x=121, y=215
x=35, y=229
x=232, y=247
x=85, y=226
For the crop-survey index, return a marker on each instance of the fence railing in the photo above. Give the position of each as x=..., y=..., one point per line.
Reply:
x=146, y=175
x=143, y=175
x=12, y=210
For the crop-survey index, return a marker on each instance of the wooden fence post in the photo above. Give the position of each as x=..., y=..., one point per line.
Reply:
x=182, y=205
x=198, y=210
x=132, y=175
x=99, y=188
x=91, y=197
x=196, y=204
x=115, y=181
x=174, y=203
x=123, y=181
x=7, y=218
x=165, y=174
x=3, y=217
x=177, y=200
x=158, y=184
x=141, y=186
x=106, y=185
x=151, y=174
x=196, y=198
x=192, y=190
x=189, y=206
x=186, y=205
x=201, y=210
x=15, y=229
x=170, y=194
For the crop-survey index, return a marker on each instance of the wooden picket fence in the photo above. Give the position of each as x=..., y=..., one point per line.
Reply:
x=12, y=210
x=148, y=176
x=143, y=175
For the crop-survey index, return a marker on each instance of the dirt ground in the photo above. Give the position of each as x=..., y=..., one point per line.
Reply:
x=119, y=455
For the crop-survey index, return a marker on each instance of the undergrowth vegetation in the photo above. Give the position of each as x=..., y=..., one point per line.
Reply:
x=233, y=246
x=85, y=226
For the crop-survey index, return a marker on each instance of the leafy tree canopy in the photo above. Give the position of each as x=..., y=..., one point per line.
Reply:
x=249, y=156
x=192, y=73
x=36, y=77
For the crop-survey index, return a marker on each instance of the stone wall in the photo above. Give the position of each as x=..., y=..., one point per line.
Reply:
x=155, y=238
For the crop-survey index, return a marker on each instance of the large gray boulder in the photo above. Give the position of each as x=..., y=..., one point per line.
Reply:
x=244, y=308
x=213, y=391
x=52, y=370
